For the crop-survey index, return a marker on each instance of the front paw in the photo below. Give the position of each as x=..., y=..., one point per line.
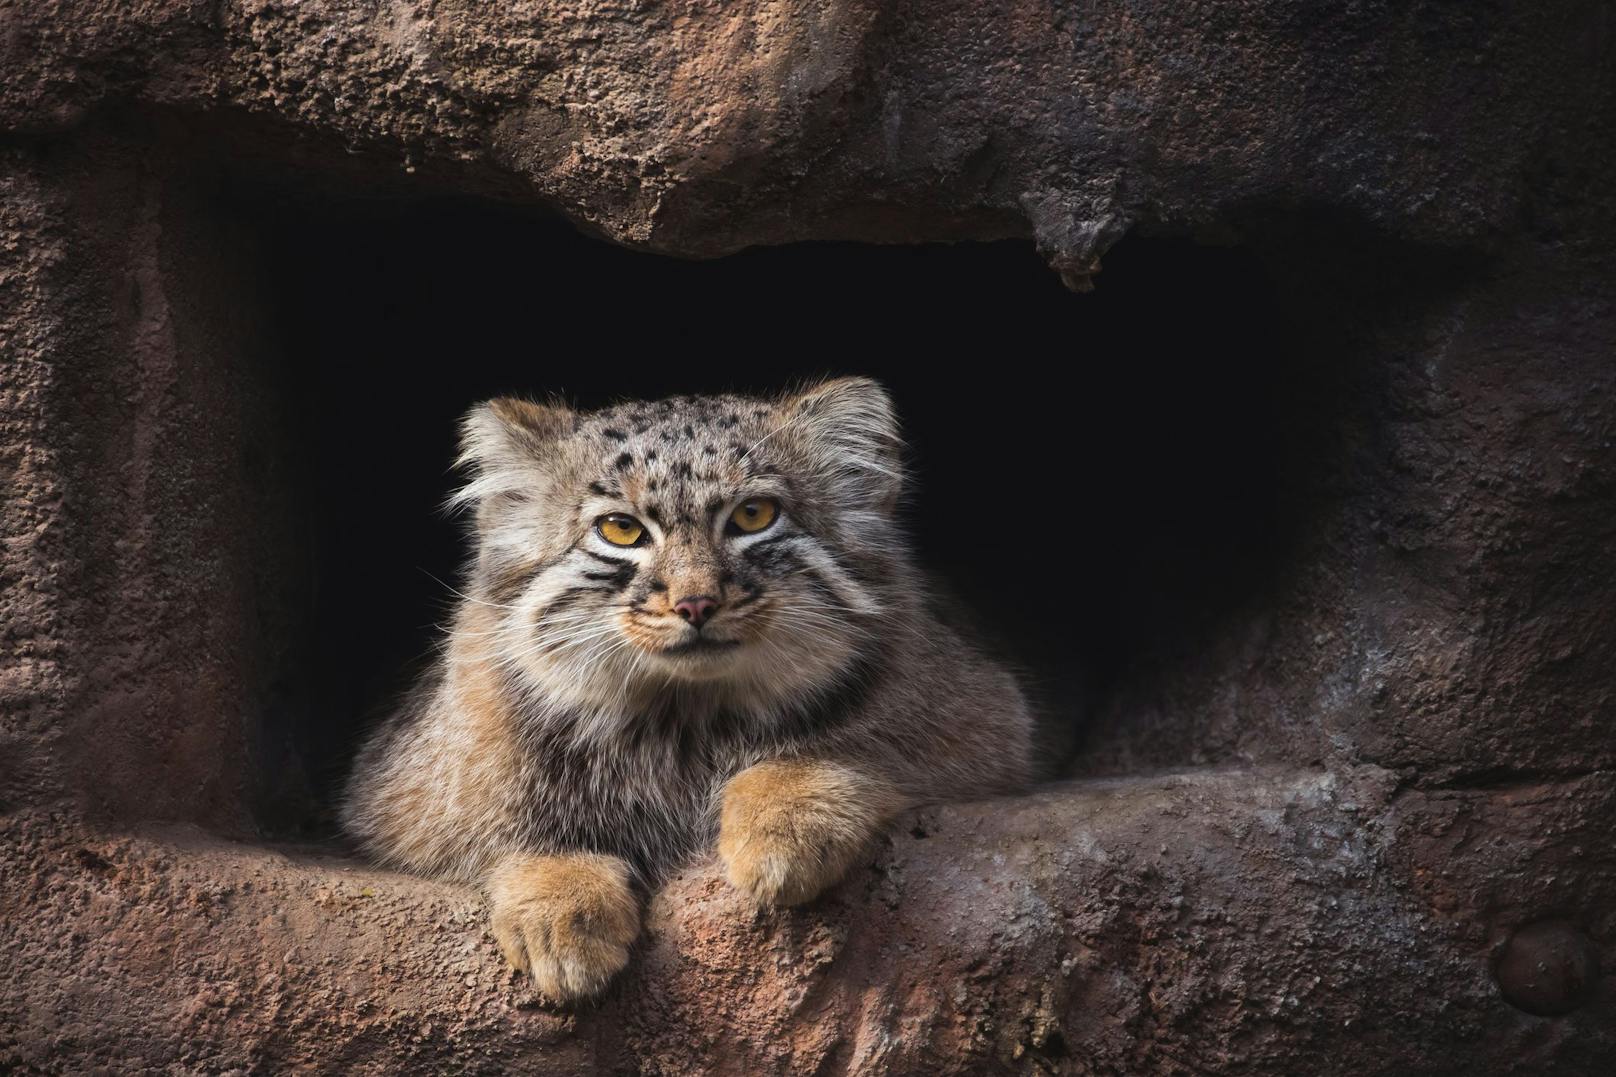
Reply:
x=566, y=921
x=789, y=829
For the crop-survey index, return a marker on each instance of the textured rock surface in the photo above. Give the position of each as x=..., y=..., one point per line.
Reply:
x=1174, y=924
x=1414, y=720
x=699, y=128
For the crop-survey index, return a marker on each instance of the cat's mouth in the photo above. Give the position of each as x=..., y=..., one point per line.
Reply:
x=700, y=645
x=699, y=658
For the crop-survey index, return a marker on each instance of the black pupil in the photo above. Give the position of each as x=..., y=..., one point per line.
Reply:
x=750, y=509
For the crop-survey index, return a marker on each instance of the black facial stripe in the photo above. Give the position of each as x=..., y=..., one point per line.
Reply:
x=513, y=581
x=619, y=579
x=822, y=583
x=778, y=555
x=866, y=572
x=775, y=559
x=623, y=570
x=772, y=540
x=774, y=553
x=614, y=583
x=622, y=573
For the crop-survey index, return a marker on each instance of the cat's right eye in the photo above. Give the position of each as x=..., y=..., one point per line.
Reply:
x=620, y=529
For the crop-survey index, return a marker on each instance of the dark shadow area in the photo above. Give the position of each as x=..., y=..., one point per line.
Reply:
x=1092, y=472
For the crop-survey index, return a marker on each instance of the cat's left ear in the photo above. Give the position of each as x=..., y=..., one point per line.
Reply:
x=847, y=432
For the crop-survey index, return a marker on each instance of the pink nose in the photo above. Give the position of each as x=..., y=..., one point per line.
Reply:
x=697, y=610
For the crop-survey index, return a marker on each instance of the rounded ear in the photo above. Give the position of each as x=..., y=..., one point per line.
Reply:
x=504, y=443
x=846, y=430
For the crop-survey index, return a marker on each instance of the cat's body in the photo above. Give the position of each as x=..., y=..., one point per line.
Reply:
x=689, y=623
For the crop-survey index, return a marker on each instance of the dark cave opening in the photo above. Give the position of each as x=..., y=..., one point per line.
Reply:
x=1097, y=477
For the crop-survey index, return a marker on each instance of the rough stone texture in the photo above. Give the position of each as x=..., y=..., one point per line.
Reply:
x=1206, y=920
x=1469, y=633
x=699, y=128
x=1412, y=725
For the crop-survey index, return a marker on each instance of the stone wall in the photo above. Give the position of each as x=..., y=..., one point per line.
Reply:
x=1307, y=836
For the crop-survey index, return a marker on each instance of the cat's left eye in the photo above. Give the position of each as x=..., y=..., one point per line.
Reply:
x=752, y=515
x=620, y=529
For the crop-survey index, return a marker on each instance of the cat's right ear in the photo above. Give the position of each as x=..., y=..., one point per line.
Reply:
x=505, y=446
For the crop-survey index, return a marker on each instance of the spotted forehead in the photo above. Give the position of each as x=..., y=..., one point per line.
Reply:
x=682, y=452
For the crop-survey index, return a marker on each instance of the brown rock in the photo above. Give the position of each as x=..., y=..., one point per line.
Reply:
x=1312, y=818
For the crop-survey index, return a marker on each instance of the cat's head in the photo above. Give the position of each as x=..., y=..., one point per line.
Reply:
x=744, y=545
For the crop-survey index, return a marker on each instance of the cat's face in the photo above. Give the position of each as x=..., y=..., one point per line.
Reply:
x=719, y=541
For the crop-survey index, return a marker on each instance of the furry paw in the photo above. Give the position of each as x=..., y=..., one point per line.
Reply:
x=788, y=829
x=566, y=921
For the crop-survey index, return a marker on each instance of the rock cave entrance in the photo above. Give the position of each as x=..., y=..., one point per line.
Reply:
x=1100, y=477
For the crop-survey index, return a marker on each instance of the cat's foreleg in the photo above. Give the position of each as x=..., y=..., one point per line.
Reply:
x=790, y=828
x=566, y=920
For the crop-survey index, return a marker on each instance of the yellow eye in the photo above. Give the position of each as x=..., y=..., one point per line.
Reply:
x=754, y=515
x=620, y=530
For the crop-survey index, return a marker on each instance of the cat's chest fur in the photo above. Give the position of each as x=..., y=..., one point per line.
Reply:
x=643, y=786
